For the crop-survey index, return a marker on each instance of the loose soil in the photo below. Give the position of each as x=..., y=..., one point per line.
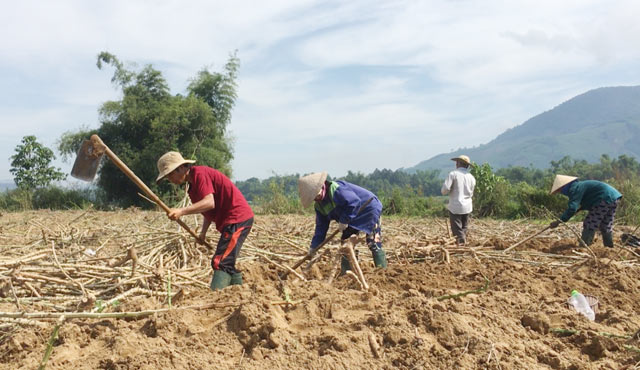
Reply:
x=398, y=323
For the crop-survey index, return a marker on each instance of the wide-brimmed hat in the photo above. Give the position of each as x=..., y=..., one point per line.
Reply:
x=560, y=181
x=462, y=158
x=169, y=162
x=309, y=186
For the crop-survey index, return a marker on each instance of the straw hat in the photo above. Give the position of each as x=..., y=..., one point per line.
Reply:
x=309, y=186
x=560, y=181
x=462, y=158
x=169, y=162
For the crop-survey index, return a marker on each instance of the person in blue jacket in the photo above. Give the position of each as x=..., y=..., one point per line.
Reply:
x=354, y=208
x=600, y=199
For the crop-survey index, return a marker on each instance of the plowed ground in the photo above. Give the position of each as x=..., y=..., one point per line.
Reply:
x=512, y=324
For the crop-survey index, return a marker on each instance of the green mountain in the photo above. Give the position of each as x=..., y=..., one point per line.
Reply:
x=600, y=121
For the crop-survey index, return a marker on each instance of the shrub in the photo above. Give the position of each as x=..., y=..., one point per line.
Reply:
x=535, y=202
x=51, y=197
x=276, y=202
x=491, y=195
x=405, y=202
x=628, y=211
x=54, y=197
x=16, y=200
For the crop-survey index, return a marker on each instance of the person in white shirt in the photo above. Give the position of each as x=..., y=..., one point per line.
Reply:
x=459, y=185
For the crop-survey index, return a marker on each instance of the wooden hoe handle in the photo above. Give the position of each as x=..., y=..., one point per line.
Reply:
x=325, y=241
x=309, y=255
x=99, y=144
x=526, y=239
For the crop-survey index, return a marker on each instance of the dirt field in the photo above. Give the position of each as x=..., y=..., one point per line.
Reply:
x=513, y=316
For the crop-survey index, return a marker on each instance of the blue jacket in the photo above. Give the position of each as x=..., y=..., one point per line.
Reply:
x=586, y=194
x=344, y=203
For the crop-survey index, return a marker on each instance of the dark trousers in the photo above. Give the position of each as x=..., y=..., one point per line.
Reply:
x=459, y=225
x=229, y=245
x=373, y=240
x=601, y=216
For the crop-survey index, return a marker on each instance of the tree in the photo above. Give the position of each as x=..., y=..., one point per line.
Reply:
x=149, y=121
x=31, y=165
x=491, y=194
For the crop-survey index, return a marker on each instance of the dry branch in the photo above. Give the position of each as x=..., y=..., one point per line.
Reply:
x=526, y=239
x=42, y=282
x=109, y=315
x=285, y=268
x=348, y=249
x=373, y=344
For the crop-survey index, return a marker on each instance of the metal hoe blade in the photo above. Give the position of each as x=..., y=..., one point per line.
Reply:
x=87, y=162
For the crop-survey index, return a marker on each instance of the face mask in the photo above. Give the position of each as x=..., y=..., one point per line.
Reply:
x=565, y=189
x=323, y=191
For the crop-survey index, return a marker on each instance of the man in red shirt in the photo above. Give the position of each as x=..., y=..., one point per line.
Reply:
x=218, y=200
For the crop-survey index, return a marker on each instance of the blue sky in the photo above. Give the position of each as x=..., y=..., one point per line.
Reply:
x=323, y=85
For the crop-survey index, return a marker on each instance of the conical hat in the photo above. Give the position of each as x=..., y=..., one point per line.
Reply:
x=560, y=181
x=169, y=162
x=309, y=186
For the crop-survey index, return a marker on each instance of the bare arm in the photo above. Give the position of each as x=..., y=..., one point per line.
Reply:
x=205, y=204
x=205, y=226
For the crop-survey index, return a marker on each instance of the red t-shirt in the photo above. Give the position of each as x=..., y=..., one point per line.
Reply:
x=230, y=208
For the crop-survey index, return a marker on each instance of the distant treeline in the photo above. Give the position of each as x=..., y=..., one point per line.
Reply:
x=509, y=193
x=513, y=192
x=381, y=182
x=428, y=183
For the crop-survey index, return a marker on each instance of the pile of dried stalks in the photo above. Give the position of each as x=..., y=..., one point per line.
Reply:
x=88, y=261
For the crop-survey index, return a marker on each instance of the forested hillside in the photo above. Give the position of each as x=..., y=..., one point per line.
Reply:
x=600, y=121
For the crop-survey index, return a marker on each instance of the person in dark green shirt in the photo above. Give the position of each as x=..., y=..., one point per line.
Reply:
x=600, y=199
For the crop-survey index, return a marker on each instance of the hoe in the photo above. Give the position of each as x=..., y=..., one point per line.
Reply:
x=86, y=166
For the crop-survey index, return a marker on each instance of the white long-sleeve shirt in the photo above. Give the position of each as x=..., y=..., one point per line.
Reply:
x=459, y=184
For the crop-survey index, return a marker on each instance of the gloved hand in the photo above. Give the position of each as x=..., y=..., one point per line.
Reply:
x=342, y=227
x=554, y=224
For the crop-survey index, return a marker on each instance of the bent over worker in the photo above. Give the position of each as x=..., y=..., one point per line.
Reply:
x=354, y=208
x=214, y=196
x=599, y=198
x=460, y=185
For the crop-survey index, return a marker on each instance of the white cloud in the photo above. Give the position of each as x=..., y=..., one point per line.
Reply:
x=338, y=85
